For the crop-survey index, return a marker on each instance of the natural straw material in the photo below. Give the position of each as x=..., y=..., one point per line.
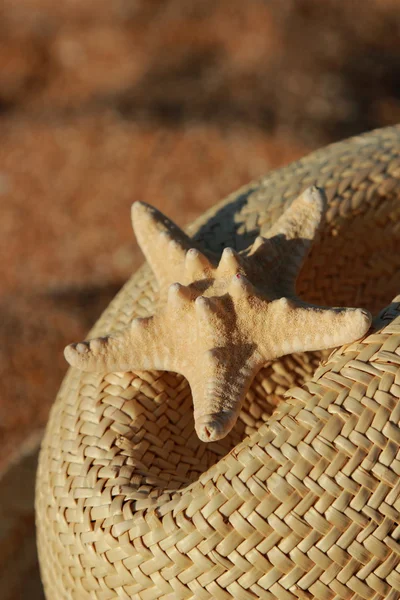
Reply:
x=130, y=504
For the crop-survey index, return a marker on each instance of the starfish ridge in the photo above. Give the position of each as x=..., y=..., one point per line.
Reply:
x=220, y=320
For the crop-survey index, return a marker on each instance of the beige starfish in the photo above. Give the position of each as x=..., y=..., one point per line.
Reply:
x=224, y=319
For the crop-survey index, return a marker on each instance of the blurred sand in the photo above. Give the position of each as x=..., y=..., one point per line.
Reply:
x=174, y=103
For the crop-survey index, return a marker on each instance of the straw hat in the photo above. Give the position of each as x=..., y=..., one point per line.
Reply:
x=131, y=504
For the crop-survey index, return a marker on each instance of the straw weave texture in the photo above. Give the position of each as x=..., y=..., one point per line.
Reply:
x=131, y=505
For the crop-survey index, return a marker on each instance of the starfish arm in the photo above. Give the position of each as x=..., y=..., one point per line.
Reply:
x=164, y=245
x=140, y=346
x=286, y=244
x=319, y=328
x=301, y=327
x=218, y=390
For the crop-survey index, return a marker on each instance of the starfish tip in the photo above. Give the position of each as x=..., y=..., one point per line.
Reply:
x=284, y=303
x=364, y=320
x=229, y=261
x=72, y=352
x=240, y=286
x=196, y=262
x=314, y=196
x=140, y=211
x=178, y=295
x=139, y=207
x=174, y=288
x=214, y=427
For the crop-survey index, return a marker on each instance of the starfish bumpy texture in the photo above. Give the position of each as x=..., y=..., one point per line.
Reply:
x=220, y=319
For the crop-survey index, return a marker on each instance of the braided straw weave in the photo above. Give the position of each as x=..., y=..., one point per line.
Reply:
x=131, y=505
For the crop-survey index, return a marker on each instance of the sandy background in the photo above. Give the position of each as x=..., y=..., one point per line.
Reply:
x=172, y=102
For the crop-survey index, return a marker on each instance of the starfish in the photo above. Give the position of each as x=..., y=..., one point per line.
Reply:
x=219, y=320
